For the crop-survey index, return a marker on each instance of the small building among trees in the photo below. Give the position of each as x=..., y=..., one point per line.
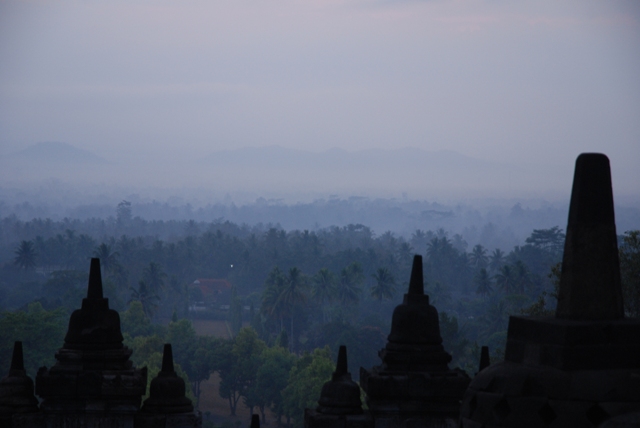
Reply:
x=210, y=293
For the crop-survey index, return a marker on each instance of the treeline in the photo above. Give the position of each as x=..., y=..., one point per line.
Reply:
x=305, y=289
x=311, y=284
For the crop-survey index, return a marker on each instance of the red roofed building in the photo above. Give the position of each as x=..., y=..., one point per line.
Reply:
x=215, y=292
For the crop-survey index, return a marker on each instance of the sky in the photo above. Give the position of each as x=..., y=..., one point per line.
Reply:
x=141, y=82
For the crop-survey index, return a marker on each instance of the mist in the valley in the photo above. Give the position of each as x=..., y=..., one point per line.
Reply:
x=456, y=103
x=438, y=100
x=492, y=203
x=259, y=176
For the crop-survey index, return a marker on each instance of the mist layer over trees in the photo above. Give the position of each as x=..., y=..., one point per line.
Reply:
x=499, y=223
x=295, y=294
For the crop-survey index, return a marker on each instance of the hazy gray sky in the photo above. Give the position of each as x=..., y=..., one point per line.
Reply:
x=533, y=82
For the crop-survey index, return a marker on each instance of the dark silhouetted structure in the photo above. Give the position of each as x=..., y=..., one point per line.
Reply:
x=339, y=404
x=485, y=361
x=581, y=367
x=255, y=421
x=93, y=383
x=414, y=385
x=167, y=405
x=18, y=405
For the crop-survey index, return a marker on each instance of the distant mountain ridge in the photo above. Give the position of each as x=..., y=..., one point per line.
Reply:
x=277, y=157
x=58, y=152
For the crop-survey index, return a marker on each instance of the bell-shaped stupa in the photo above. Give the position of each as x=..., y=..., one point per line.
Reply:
x=167, y=405
x=341, y=395
x=414, y=384
x=339, y=404
x=18, y=404
x=93, y=383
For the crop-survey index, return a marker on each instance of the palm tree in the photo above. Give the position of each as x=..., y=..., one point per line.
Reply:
x=146, y=297
x=108, y=258
x=25, y=256
x=461, y=268
x=154, y=276
x=293, y=294
x=443, y=261
x=483, y=283
x=435, y=247
x=495, y=318
x=496, y=260
x=478, y=257
x=405, y=252
x=506, y=279
x=351, y=277
x=385, y=286
x=522, y=276
x=272, y=307
x=439, y=295
x=324, y=289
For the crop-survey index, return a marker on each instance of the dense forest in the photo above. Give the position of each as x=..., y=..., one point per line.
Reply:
x=295, y=295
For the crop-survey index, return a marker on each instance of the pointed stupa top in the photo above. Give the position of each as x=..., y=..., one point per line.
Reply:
x=341, y=364
x=167, y=390
x=590, y=286
x=94, y=290
x=415, y=342
x=16, y=389
x=167, y=359
x=485, y=361
x=416, y=283
x=340, y=395
x=415, y=320
x=94, y=326
x=17, y=359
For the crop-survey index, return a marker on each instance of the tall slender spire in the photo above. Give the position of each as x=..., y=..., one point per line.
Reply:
x=581, y=367
x=416, y=283
x=341, y=364
x=17, y=359
x=485, y=361
x=590, y=286
x=94, y=290
x=167, y=359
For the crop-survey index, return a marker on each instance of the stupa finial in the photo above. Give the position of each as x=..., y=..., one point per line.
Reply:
x=341, y=364
x=94, y=290
x=485, y=361
x=167, y=359
x=416, y=283
x=17, y=359
x=590, y=286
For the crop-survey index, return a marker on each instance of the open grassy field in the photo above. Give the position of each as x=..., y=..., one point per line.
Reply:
x=211, y=328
